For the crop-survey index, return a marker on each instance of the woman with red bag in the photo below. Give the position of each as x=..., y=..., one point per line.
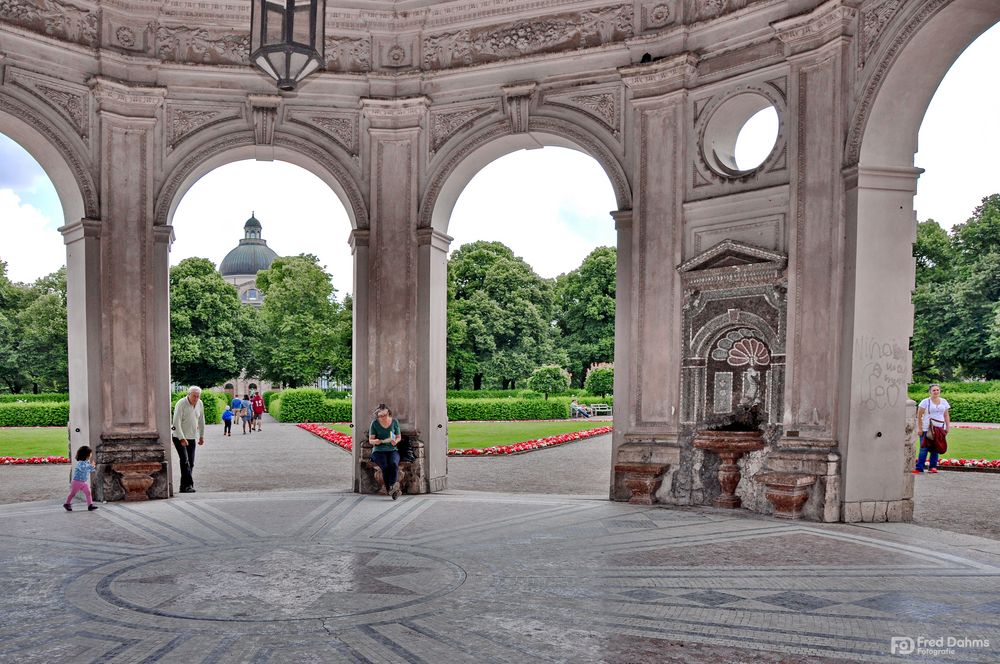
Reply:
x=933, y=422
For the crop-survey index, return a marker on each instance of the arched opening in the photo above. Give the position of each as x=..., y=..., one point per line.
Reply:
x=39, y=196
x=533, y=255
x=268, y=243
x=879, y=426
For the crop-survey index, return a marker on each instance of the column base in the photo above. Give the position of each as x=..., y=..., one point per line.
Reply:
x=642, y=480
x=125, y=461
x=787, y=492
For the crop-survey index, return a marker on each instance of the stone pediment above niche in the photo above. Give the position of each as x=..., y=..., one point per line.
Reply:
x=730, y=263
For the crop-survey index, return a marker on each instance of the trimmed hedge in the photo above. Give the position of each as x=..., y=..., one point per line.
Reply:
x=36, y=414
x=918, y=391
x=974, y=407
x=337, y=394
x=214, y=402
x=48, y=397
x=309, y=405
x=508, y=409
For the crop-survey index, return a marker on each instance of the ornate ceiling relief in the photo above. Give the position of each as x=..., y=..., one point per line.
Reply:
x=602, y=104
x=702, y=10
x=73, y=103
x=61, y=20
x=873, y=22
x=182, y=121
x=348, y=54
x=445, y=124
x=342, y=128
x=528, y=37
x=201, y=46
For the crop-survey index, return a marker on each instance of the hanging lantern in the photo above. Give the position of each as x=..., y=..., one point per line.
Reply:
x=286, y=38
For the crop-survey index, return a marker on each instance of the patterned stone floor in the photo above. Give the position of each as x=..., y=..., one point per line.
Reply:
x=321, y=576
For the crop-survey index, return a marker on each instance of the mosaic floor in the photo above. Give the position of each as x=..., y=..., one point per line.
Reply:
x=476, y=577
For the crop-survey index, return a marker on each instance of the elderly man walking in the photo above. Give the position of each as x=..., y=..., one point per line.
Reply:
x=189, y=428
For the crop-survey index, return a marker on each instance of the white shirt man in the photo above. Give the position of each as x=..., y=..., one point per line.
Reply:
x=189, y=426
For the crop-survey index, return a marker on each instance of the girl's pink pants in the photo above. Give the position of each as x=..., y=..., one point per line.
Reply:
x=77, y=485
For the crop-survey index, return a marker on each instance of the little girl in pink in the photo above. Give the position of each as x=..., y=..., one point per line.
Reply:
x=81, y=479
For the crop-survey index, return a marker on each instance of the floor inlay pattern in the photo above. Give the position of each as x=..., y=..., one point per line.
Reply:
x=468, y=577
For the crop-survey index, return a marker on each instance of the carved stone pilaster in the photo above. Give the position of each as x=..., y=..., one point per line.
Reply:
x=132, y=101
x=808, y=31
x=516, y=105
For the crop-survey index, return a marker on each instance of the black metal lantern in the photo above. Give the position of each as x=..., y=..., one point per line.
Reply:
x=286, y=38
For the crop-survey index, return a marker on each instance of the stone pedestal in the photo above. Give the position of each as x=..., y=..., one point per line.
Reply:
x=410, y=475
x=730, y=446
x=125, y=462
x=787, y=492
x=642, y=480
x=137, y=478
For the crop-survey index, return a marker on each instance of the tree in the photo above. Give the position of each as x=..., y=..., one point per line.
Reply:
x=341, y=368
x=500, y=316
x=208, y=325
x=10, y=364
x=298, y=342
x=601, y=381
x=549, y=379
x=585, y=302
x=934, y=253
x=43, y=343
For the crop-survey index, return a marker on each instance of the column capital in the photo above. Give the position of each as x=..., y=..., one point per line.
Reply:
x=403, y=113
x=623, y=220
x=79, y=230
x=126, y=100
x=359, y=238
x=435, y=238
x=809, y=31
x=163, y=234
x=885, y=178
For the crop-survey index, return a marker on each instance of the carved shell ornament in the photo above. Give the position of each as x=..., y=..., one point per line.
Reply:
x=748, y=352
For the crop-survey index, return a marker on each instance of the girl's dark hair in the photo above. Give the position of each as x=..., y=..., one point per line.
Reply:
x=83, y=453
x=382, y=407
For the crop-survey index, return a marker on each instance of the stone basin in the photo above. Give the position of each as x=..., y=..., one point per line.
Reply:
x=730, y=446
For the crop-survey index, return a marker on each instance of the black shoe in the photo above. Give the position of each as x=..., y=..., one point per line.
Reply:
x=188, y=489
x=91, y=508
x=68, y=507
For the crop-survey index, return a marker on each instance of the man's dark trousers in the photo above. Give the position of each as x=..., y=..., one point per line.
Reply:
x=185, y=454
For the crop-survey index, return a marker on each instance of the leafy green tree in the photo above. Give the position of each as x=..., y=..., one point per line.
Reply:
x=549, y=379
x=10, y=363
x=299, y=318
x=601, y=381
x=43, y=343
x=501, y=316
x=341, y=367
x=934, y=253
x=585, y=305
x=208, y=325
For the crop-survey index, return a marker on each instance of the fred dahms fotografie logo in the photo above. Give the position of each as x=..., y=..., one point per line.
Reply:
x=941, y=645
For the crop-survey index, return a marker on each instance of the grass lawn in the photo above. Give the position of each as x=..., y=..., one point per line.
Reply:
x=972, y=444
x=33, y=441
x=487, y=434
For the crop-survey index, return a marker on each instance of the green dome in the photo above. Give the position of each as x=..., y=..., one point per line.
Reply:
x=251, y=256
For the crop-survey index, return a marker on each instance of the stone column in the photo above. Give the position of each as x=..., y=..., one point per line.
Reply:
x=134, y=422
x=623, y=337
x=360, y=413
x=818, y=46
x=163, y=238
x=877, y=325
x=83, y=314
x=391, y=268
x=432, y=349
x=651, y=355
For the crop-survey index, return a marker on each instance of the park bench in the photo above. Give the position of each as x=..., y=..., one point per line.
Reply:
x=599, y=409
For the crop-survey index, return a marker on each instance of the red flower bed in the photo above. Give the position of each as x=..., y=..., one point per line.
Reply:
x=329, y=435
x=343, y=440
x=530, y=445
x=972, y=464
x=18, y=461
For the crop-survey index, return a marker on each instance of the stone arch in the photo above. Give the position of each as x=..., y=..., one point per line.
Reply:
x=494, y=141
x=915, y=58
x=61, y=157
x=241, y=145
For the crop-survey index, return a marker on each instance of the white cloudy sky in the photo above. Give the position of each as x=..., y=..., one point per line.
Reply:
x=550, y=206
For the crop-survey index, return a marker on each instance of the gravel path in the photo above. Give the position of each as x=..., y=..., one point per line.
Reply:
x=284, y=457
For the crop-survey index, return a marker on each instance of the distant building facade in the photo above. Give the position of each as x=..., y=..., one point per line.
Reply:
x=240, y=268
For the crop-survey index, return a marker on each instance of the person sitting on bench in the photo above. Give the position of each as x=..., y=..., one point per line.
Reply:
x=576, y=409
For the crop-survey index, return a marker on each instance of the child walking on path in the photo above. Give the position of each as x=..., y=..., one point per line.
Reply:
x=81, y=479
x=227, y=422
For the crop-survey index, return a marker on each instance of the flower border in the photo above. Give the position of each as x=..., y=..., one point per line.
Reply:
x=31, y=461
x=345, y=441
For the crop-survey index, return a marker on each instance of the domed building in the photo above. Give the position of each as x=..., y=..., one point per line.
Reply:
x=241, y=265
x=240, y=268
